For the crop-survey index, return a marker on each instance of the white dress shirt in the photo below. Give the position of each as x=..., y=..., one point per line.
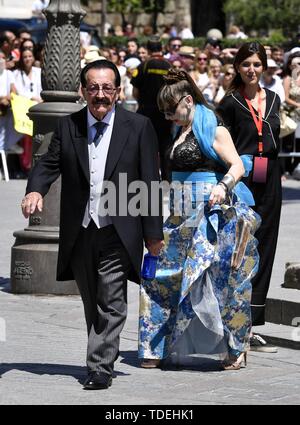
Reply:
x=97, y=161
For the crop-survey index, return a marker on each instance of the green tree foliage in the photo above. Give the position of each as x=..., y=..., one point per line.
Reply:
x=124, y=6
x=265, y=14
x=155, y=7
x=152, y=6
x=127, y=7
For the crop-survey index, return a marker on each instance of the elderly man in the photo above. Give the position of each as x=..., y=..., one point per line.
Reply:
x=100, y=143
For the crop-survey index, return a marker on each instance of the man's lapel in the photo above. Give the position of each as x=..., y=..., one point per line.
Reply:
x=118, y=140
x=81, y=141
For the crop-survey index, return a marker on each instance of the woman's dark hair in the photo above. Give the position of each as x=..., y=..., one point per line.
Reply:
x=134, y=40
x=287, y=68
x=244, y=52
x=100, y=64
x=178, y=83
x=32, y=47
x=21, y=65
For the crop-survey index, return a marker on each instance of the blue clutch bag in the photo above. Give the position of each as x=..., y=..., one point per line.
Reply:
x=149, y=266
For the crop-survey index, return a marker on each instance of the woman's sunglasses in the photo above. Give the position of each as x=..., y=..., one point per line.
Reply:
x=172, y=109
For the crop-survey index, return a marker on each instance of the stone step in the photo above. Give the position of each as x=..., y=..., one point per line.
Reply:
x=283, y=306
x=280, y=335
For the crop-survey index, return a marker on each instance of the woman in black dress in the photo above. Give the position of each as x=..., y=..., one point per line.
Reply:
x=251, y=114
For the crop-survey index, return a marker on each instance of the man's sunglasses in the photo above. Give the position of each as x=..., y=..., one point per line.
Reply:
x=94, y=89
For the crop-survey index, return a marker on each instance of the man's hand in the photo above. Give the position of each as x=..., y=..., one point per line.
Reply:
x=30, y=202
x=154, y=246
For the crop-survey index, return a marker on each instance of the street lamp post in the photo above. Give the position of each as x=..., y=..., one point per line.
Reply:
x=34, y=254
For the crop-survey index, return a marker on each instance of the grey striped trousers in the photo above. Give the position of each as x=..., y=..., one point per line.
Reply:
x=101, y=265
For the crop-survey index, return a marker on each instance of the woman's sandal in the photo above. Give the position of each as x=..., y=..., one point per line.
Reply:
x=235, y=363
x=150, y=363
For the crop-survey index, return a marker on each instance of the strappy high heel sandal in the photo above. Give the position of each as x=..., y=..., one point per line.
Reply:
x=150, y=363
x=235, y=363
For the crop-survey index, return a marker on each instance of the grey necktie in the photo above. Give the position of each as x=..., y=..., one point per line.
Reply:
x=100, y=126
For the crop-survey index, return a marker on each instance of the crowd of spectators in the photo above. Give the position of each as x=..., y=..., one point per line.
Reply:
x=210, y=65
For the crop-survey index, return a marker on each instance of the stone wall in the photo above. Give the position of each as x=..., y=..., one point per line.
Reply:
x=176, y=12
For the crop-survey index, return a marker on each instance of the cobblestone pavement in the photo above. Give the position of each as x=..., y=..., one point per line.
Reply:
x=43, y=342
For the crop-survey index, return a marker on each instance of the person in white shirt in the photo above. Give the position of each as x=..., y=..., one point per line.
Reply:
x=128, y=101
x=271, y=81
x=236, y=33
x=8, y=136
x=228, y=74
x=185, y=31
x=37, y=8
x=28, y=84
x=28, y=77
x=200, y=75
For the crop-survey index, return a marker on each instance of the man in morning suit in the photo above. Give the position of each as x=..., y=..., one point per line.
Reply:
x=99, y=143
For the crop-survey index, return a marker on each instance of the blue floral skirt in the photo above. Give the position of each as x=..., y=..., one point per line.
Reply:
x=198, y=302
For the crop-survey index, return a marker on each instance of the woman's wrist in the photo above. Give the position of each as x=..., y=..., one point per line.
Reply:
x=223, y=185
x=228, y=182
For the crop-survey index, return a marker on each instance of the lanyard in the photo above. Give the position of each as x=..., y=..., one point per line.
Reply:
x=258, y=121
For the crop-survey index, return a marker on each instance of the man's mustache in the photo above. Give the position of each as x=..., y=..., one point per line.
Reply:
x=101, y=101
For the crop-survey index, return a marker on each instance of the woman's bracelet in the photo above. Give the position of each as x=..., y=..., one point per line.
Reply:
x=228, y=181
x=222, y=184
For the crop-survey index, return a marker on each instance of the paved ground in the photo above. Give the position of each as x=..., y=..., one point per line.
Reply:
x=43, y=356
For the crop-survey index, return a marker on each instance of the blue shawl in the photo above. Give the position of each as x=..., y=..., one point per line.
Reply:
x=204, y=128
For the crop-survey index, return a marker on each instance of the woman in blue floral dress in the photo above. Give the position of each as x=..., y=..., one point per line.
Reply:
x=199, y=301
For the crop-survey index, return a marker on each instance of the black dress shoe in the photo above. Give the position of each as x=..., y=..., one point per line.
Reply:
x=97, y=381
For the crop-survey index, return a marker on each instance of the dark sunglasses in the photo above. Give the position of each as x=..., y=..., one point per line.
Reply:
x=93, y=90
x=202, y=59
x=176, y=45
x=172, y=109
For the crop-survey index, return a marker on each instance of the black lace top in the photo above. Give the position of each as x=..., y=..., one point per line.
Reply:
x=187, y=156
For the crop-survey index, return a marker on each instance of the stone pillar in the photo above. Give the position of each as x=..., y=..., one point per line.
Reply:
x=34, y=254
